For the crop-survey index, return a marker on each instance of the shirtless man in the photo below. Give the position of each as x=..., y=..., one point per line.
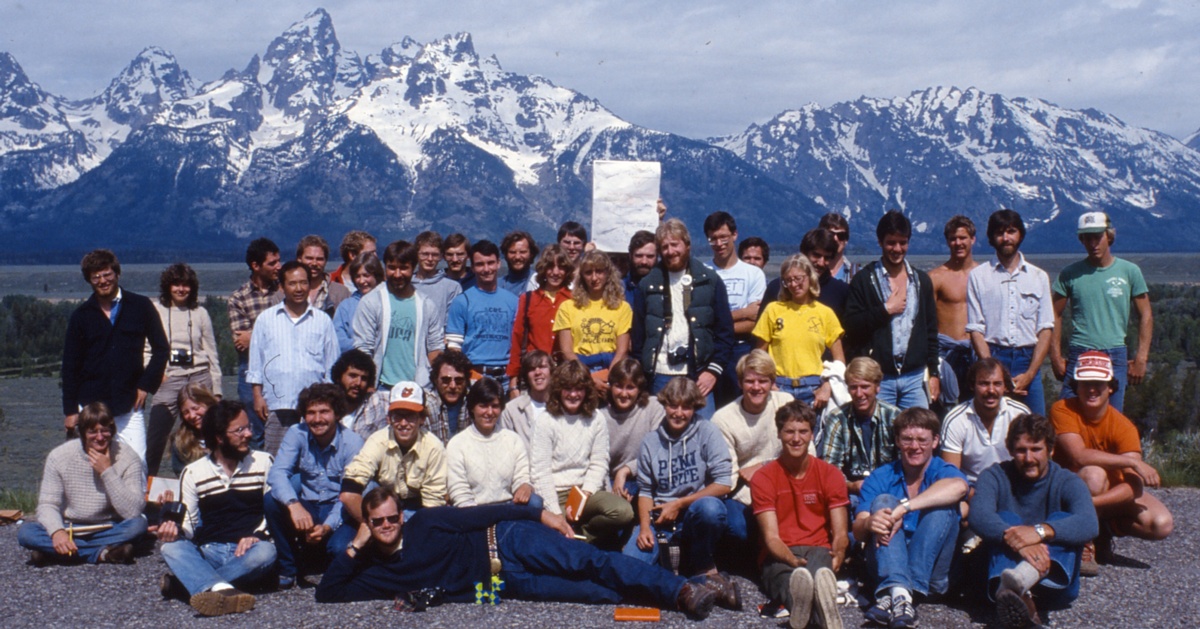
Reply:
x=950, y=291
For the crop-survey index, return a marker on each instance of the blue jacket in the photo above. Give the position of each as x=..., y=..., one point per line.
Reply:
x=102, y=361
x=708, y=315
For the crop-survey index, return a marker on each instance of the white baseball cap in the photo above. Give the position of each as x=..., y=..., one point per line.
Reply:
x=1093, y=223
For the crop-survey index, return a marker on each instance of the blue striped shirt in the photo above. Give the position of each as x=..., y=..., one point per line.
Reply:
x=1009, y=309
x=286, y=356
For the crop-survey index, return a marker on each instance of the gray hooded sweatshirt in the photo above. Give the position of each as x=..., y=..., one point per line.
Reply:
x=673, y=468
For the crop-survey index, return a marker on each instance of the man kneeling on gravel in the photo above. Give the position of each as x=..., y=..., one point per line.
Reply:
x=1034, y=518
x=484, y=553
x=222, y=541
x=92, y=497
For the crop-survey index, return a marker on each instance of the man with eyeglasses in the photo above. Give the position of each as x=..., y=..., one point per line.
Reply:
x=221, y=541
x=744, y=287
x=404, y=458
x=487, y=553
x=839, y=267
x=429, y=280
x=103, y=353
x=94, y=483
x=909, y=519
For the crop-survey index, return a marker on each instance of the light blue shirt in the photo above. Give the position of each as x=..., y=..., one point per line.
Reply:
x=1009, y=309
x=480, y=323
x=320, y=469
x=286, y=356
x=343, y=321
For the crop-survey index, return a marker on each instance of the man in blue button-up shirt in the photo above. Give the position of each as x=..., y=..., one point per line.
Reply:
x=302, y=508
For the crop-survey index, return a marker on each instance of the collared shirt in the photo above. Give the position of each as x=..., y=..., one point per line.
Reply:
x=1009, y=309
x=902, y=324
x=234, y=504
x=320, y=469
x=418, y=473
x=370, y=416
x=889, y=479
x=249, y=301
x=286, y=356
x=116, y=307
x=844, y=446
x=438, y=423
x=963, y=433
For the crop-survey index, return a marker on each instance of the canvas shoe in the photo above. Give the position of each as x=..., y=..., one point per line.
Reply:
x=826, y=587
x=800, y=586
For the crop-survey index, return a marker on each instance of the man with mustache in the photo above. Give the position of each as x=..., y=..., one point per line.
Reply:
x=973, y=432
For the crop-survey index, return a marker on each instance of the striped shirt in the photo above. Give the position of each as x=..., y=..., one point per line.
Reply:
x=223, y=508
x=286, y=356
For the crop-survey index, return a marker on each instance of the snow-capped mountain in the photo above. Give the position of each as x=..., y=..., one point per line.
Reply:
x=311, y=138
x=945, y=151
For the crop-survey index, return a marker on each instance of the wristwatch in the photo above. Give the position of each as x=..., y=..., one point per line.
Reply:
x=904, y=503
x=1040, y=530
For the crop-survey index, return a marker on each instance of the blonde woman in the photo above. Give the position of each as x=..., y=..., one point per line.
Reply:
x=187, y=442
x=797, y=330
x=594, y=326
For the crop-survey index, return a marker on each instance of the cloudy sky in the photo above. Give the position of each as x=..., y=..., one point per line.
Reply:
x=698, y=68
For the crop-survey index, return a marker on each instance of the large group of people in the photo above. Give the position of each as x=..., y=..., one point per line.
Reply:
x=525, y=422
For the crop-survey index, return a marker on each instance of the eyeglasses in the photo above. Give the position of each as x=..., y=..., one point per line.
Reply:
x=429, y=255
x=912, y=441
x=720, y=241
x=452, y=380
x=390, y=519
x=842, y=236
x=104, y=276
x=96, y=432
x=239, y=430
x=793, y=281
x=397, y=418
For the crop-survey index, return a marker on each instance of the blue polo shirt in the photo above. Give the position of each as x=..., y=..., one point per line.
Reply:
x=889, y=479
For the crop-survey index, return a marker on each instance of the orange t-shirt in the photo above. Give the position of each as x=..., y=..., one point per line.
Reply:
x=1114, y=433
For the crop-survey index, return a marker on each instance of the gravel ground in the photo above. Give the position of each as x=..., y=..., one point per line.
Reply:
x=1151, y=585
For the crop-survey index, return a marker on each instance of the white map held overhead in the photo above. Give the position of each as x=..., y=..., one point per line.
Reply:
x=624, y=200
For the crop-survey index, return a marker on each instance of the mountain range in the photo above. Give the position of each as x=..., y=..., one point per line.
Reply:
x=312, y=138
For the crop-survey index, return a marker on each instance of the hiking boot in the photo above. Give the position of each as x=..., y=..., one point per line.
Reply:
x=727, y=591
x=1104, y=547
x=800, y=586
x=1016, y=611
x=119, y=553
x=171, y=588
x=696, y=600
x=1087, y=564
x=904, y=615
x=826, y=596
x=222, y=602
x=40, y=559
x=881, y=612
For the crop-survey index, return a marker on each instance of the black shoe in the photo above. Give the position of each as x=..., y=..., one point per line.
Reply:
x=40, y=559
x=696, y=600
x=171, y=588
x=727, y=591
x=119, y=553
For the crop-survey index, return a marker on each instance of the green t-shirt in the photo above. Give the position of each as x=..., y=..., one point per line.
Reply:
x=400, y=359
x=1099, y=300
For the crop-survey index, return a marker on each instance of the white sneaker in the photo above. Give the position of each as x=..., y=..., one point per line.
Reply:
x=826, y=599
x=800, y=586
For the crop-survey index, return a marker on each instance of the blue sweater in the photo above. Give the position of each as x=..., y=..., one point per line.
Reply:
x=443, y=547
x=1001, y=488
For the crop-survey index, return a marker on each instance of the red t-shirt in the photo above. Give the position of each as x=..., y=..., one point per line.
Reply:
x=801, y=506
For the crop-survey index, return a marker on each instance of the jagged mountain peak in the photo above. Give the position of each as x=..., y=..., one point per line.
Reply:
x=139, y=92
x=24, y=106
x=305, y=69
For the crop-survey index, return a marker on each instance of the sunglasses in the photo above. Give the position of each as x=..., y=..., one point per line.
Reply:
x=390, y=519
x=450, y=380
x=842, y=236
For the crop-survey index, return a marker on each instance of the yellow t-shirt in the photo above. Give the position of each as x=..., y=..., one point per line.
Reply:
x=797, y=335
x=594, y=329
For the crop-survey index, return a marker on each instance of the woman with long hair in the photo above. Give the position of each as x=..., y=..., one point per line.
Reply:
x=570, y=450
x=536, y=310
x=594, y=326
x=187, y=443
x=366, y=272
x=797, y=330
x=631, y=414
x=193, y=358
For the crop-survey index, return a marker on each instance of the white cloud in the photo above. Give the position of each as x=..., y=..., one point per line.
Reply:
x=696, y=68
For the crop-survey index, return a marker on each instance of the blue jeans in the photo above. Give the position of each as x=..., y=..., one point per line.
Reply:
x=1017, y=360
x=596, y=362
x=1120, y=361
x=710, y=405
x=920, y=560
x=804, y=389
x=33, y=536
x=697, y=531
x=957, y=357
x=1059, y=587
x=246, y=395
x=542, y=565
x=906, y=390
x=199, y=568
x=288, y=544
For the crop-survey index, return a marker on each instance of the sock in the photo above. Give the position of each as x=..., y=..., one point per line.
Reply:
x=901, y=594
x=221, y=586
x=1021, y=578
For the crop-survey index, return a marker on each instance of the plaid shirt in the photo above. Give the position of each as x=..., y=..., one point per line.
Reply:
x=372, y=416
x=249, y=301
x=842, y=440
x=438, y=423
